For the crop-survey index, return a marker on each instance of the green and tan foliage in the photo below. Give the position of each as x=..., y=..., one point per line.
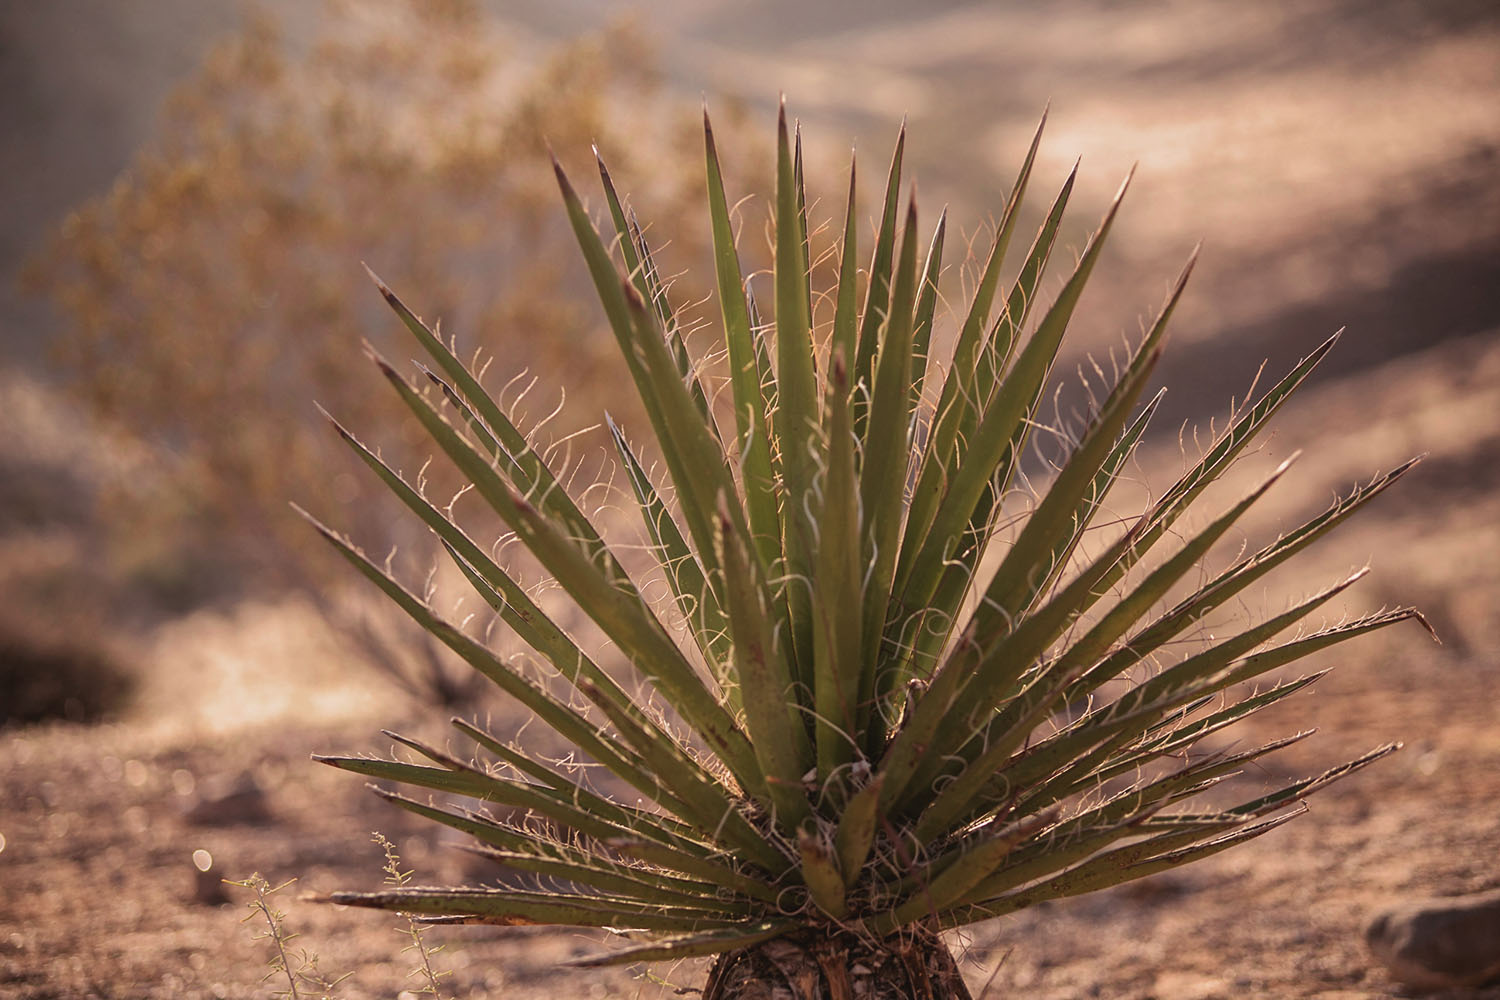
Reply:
x=218, y=279
x=891, y=691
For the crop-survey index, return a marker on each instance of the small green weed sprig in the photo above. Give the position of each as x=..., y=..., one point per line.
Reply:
x=305, y=974
x=397, y=878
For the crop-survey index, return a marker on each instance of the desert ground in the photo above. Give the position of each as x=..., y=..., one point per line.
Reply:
x=1339, y=162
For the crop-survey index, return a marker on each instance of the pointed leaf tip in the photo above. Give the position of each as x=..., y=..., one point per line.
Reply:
x=385, y=367
x=1327, y=345
x=1408, y=465
x=1187, y=271
x=375, y=278
x=317, y=525
x=1279, y=471
x=1421, y=620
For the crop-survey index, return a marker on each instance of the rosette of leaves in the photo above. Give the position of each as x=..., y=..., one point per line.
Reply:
x=873, y=708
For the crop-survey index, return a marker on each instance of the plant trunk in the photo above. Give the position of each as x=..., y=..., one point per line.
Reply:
x=914, y=966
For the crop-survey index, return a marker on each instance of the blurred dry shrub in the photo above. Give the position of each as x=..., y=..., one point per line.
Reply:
x=59, y=670
x=216, y=291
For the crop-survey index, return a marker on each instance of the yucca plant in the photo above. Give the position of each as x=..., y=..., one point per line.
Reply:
x=880, y=702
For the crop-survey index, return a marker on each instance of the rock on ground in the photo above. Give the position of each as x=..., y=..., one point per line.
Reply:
x=1440, y=943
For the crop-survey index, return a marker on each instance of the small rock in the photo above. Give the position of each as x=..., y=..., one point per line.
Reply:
x=208, y=880
x=229, y=802
x=1440, y=943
